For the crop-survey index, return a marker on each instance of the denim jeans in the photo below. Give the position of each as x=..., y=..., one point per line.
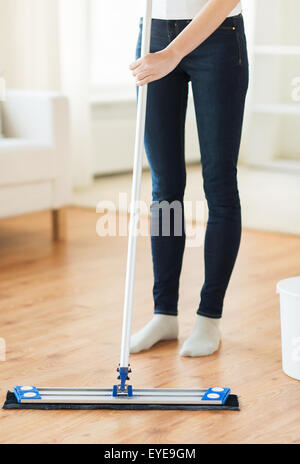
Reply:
x=218, y=72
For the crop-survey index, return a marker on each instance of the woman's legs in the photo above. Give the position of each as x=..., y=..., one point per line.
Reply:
x=164, y=141
x=219, y=73
x=219, y=84
x=219, y=95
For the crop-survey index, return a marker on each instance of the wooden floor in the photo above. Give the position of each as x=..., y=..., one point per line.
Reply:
x=60, y=315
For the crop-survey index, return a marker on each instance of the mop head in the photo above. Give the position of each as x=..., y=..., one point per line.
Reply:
x=231, y=404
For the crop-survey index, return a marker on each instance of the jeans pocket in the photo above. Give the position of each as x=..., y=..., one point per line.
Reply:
x=240, y=50
x=227, y=28
x=234, y=30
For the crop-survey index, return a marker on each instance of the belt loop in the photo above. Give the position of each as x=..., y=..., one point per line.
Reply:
x=168, y=29
x=234, y=21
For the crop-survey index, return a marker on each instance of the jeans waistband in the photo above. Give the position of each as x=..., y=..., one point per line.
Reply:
x=179, y=24
x=231, y=20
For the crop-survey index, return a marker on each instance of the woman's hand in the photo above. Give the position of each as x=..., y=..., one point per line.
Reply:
x=154, y=66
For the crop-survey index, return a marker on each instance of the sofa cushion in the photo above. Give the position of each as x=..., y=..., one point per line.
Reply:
x=25, y=161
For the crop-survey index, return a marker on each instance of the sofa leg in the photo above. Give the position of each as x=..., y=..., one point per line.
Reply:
x=59, y=224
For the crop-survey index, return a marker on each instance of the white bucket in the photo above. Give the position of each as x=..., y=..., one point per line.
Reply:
x=289, y=290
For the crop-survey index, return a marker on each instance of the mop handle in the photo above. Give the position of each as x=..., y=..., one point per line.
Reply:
x=135, y=197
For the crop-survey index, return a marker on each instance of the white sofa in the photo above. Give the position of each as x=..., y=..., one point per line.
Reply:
x=34, y=155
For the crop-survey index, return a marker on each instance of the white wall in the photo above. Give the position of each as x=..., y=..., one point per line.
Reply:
x=29, y=52
x=44, y=46
x=273, y=115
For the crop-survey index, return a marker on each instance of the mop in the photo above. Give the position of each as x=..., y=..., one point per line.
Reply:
x=123, y=396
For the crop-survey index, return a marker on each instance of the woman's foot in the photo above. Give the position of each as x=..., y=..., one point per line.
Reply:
x=205, y=338
x=160, y=328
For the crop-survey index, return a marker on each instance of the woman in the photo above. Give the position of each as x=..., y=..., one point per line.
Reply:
x=202, y=42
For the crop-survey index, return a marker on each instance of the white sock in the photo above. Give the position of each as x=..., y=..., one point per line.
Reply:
x=205, y=338
x=160, y=328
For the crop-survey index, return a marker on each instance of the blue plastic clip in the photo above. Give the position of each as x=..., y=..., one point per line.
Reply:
x=26, y=393
x=123, y=389
x=123, y=376
x=216, y=394
x=129, y=391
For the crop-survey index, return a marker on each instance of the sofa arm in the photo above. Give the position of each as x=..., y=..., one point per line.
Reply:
x=39, y=116
x=43, y=117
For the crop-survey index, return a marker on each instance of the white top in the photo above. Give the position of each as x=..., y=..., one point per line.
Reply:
x=181, y=9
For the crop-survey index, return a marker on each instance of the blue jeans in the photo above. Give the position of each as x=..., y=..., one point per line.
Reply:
x=218, y=72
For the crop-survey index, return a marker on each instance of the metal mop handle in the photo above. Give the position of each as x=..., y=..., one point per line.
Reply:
x=134, y=209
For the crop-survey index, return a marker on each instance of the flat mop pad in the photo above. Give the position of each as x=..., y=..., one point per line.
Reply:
x=11, y=402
